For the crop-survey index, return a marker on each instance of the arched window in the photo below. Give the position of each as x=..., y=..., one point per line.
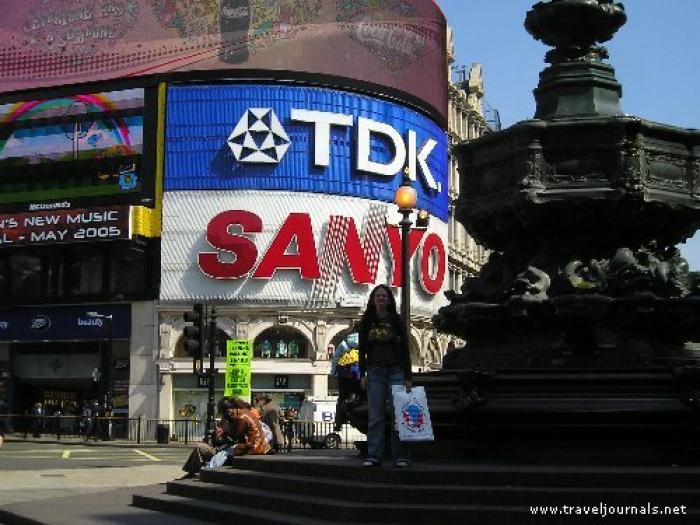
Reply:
x=281, y=342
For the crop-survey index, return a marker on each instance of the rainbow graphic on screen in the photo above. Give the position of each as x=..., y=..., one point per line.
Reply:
x=70, y=128
x=91, y=142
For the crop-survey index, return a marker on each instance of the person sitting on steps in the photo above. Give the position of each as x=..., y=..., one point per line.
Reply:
x=239, y=432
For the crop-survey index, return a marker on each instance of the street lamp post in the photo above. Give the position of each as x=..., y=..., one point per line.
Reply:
x=211, y=402
x=105, y=383
x=405, y=198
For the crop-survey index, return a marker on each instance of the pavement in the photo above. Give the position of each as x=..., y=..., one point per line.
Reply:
x=90, y=496
x=85, y=496
x=110, y=507
x=103, y=496
x=77, y=440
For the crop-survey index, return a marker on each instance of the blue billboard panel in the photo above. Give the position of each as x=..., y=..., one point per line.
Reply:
x=318, y=140
x=66, y=323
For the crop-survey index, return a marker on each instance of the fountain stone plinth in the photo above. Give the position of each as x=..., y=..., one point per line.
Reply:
x=585, y=312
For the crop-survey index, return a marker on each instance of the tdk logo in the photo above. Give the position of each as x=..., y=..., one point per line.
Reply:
x=258, y=137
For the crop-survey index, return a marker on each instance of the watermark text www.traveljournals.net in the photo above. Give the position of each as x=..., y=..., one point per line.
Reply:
x=604, y=510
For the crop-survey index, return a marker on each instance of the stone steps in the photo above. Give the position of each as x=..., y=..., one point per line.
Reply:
x=315, y=490
x=220, y=512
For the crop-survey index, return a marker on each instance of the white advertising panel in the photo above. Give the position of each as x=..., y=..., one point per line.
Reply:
x=294, y=249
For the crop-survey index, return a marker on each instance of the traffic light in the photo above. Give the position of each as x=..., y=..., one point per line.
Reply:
x=194, y=333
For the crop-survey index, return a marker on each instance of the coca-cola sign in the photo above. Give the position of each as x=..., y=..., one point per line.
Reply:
x=400, y=45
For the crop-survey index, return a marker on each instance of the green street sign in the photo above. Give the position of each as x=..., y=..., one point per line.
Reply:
x=239, y=356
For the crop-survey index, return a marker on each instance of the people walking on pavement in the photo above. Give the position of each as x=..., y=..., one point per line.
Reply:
x=57, y=423
x=92, y=412
x=85, y=420
x=270, y=415
x=384, y=361
x=38, y=414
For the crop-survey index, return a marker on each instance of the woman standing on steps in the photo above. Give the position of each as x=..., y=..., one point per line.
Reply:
x=384, y=361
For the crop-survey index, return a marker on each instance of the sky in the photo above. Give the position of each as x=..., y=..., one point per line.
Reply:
x=656, y=56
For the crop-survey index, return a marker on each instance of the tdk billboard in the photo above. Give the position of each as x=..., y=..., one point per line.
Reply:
x=317, y=140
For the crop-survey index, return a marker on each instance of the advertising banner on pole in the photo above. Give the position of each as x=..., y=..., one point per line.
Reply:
x=239, y=356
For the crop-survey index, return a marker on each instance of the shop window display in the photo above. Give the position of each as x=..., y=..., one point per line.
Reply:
x=281, y=342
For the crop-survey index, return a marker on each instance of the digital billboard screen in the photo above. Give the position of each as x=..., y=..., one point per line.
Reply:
x=79, y=148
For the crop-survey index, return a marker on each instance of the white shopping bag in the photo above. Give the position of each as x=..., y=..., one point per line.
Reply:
x=411, y=414
x=218, y=460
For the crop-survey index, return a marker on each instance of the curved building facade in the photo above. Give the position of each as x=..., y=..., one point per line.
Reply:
x=264, y=152
x=278, y=200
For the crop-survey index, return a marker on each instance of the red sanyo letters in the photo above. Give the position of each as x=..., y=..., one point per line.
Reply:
x=297, y=228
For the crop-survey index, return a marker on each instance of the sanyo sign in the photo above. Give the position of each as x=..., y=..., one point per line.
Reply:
x=259, y=137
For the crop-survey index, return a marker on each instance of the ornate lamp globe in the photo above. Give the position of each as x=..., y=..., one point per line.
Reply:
x=405, y=197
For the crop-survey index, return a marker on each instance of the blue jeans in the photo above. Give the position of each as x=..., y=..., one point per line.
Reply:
x=379, y=381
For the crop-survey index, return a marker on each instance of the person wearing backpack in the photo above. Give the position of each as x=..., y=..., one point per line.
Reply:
x=345, y=368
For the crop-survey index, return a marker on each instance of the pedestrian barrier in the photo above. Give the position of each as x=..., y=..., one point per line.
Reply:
x=297, y=434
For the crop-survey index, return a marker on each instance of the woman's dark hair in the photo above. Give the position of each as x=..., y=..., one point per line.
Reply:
x=232, y=403
x=370, y=313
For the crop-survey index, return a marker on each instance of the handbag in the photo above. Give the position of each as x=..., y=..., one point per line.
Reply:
x=411, y=414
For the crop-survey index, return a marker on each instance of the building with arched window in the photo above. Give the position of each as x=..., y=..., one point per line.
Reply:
x=244, y=159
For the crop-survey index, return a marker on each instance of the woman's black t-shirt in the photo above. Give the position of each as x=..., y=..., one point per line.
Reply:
x=384, y=342
x=381, y=345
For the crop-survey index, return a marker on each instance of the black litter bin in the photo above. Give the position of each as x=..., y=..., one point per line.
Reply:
x=163, y=434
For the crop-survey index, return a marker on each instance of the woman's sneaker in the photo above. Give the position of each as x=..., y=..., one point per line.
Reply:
x=402, y=463
x=369, y=463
